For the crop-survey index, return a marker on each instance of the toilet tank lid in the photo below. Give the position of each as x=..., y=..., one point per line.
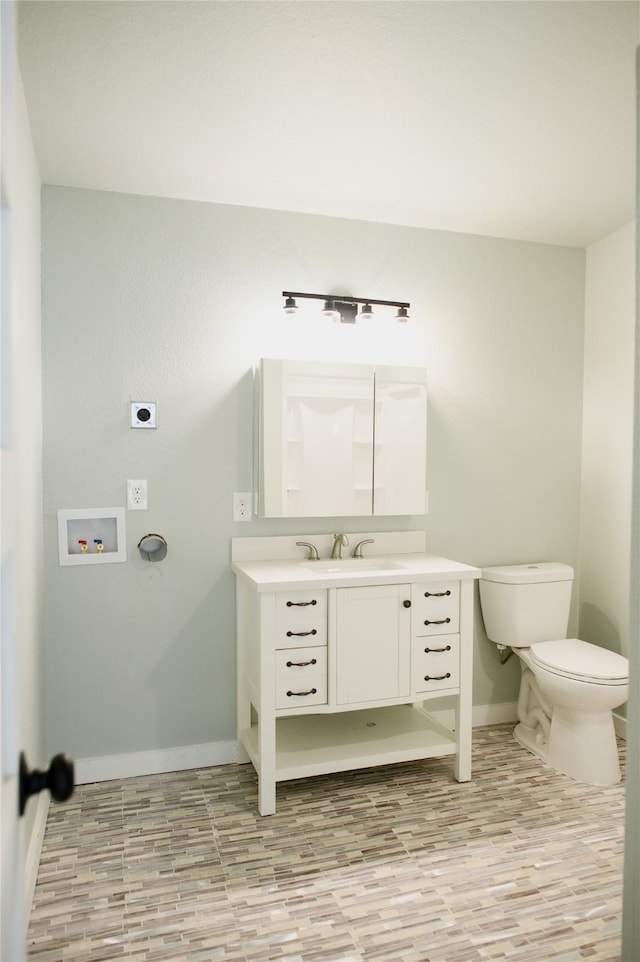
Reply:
x=529, y=574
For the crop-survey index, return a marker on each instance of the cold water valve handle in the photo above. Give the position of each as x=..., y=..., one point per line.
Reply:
x=59, y=779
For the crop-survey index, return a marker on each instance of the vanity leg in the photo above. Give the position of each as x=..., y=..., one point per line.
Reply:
x=462, y=766
x=243, y=703
x=243, y=716
x=463, y=721
x=267, y=766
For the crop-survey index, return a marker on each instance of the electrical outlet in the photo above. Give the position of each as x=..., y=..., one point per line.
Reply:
x=137, y=498
x=242, y=506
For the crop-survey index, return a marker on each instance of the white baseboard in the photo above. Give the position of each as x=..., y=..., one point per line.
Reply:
x=106, y=768
x=109, y=767
x=494, y=714
x=34, y=849
x=507, y=713
x=620, y=725
x=481, y=715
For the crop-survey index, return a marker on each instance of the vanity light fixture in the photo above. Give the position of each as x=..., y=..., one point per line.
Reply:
x=344, y=308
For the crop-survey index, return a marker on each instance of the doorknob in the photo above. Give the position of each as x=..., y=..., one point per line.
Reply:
x=58, y=779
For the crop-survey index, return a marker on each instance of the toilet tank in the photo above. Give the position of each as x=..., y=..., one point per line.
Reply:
x=527, y=603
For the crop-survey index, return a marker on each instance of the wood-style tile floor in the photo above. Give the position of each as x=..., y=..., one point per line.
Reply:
x=396, y=863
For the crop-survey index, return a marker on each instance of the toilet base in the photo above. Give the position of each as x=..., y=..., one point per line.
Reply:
x=531, y=739
x=583, y=745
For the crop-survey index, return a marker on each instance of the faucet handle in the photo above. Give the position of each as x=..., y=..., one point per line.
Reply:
x=357, y=551
x=313, y=551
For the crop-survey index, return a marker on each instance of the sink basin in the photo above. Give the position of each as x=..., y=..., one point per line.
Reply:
x=351, y=565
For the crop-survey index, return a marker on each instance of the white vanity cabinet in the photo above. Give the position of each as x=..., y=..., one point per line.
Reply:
x=340, y=440
x=338, y=672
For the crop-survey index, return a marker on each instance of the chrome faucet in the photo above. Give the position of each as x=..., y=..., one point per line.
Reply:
x=338, y=541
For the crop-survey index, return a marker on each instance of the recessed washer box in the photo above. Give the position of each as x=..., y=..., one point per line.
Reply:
x=88, y=536
x=144, y=414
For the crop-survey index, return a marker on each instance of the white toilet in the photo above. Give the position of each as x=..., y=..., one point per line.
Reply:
x=568, y=687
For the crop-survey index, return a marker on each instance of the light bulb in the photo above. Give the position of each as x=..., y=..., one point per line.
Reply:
x=290, y=306
x=330, y=311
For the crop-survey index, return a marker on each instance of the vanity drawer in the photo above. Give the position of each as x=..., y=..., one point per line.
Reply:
x=301, y=619
x=437, y=608
x=305, y=631
x=301, y=677
x=290, y=604
x=436, y=662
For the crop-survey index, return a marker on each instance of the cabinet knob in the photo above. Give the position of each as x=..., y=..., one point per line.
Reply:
x=406, y=604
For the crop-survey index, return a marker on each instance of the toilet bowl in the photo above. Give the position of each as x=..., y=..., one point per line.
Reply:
x=568, y=687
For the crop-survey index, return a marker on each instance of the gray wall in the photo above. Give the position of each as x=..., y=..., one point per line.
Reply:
x=173, y=301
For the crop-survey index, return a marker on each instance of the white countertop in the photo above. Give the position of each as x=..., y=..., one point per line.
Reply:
x=284, y=574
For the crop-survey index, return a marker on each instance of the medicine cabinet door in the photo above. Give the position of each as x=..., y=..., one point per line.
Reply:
x=400, y=458
x=316, y=439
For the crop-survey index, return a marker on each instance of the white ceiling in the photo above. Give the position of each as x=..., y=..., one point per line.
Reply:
x=512, y=119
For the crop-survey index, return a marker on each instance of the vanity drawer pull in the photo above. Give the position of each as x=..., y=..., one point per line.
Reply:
x=442, y=621
x=437, y=594
x=312, y=691
x=437, y=677
x=446, y=648
x=301, y=604
x=301, y=664
x=301, y=634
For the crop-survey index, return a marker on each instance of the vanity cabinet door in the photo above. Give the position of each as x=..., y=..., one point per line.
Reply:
x=373, y=638
x=400, y=448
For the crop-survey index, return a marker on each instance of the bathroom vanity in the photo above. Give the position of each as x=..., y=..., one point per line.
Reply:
x=340, y=660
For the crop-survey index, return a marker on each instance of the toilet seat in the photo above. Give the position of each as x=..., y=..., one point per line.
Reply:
x=582, y=661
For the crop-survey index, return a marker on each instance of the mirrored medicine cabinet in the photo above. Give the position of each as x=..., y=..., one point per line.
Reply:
x=341, y=439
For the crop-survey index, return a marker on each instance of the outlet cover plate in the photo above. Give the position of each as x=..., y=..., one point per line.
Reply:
x=242, y=505
x=137, y=496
